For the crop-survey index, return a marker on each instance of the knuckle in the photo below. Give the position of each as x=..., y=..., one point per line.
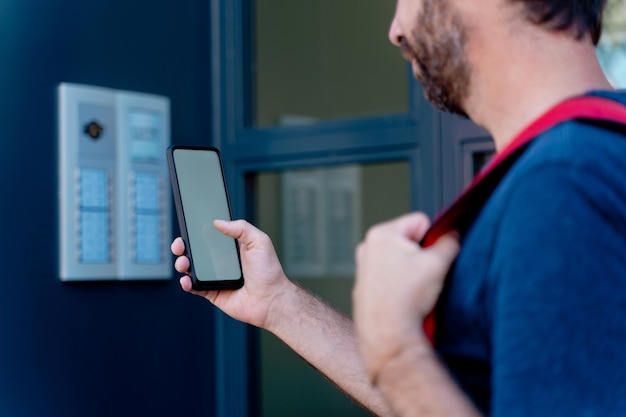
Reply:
x=374, y=232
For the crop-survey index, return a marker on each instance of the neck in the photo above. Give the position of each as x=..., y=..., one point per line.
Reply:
x=513, y=92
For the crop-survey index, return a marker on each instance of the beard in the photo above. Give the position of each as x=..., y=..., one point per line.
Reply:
x=438, y=56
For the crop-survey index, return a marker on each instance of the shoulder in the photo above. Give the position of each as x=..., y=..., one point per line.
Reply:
x=568, y=186
x=580, y=142
x=561, y=209
x=583, y=152
x=560, y=213
x=577, y=143
x=573, y=160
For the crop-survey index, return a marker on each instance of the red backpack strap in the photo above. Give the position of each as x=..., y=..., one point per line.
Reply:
x=461, y=213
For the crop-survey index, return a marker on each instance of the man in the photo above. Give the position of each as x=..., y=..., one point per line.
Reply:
x=529, y=316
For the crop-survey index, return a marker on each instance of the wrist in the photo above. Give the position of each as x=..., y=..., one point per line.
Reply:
x=397, y=360
x=415, y=382
x=282, y=306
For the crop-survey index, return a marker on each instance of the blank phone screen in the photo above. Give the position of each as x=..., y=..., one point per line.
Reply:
x=203, y=197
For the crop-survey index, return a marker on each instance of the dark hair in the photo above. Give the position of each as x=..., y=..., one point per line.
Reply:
x=580, y=16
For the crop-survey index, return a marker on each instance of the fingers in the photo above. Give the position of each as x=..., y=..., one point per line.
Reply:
x=446, y=248
x=412, y=226
x=185, y=283
x=178, y=246
x=182, y=264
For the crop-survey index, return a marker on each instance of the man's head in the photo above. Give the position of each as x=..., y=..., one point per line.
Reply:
x=435, y=44
x=434, y=36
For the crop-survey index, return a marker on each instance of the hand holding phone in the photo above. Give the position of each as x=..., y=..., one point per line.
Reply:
x=201, y=197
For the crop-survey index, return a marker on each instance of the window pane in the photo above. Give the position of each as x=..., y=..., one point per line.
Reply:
x=325, y=59
x=328, y=210
x=612, y=47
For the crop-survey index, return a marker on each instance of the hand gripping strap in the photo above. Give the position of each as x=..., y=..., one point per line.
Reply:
x=462, y=212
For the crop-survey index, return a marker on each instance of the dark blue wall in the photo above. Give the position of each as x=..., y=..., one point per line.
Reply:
x=99, y=349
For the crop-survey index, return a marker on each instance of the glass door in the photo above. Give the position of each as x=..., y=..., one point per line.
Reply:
x=323, y=132
x=316, y=217
x=612, y=47
x=324, y=60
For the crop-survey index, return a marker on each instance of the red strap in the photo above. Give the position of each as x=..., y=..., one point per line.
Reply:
x=462, y=212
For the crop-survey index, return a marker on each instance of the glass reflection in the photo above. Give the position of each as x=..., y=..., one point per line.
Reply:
x=325, y=59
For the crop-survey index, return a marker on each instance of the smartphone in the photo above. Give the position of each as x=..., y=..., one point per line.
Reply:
x=200, y=197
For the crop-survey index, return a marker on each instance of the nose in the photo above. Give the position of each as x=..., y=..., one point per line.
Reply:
x=395, y=33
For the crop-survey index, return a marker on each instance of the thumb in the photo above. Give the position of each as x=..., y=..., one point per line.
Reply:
x=241, y=230
x=446, y=248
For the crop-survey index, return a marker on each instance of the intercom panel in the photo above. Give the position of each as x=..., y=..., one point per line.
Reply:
x=87, y=174
x=114, y=206
x=143, y=192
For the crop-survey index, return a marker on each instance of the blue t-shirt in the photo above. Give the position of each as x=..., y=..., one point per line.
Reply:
x=532, y=321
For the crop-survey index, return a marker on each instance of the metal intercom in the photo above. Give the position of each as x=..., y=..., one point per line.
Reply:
x=114, y=203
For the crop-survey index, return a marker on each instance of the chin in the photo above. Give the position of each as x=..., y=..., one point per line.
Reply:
x=417, y=73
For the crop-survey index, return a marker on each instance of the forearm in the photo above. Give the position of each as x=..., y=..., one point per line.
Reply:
x=415, y=383
x=325, y=339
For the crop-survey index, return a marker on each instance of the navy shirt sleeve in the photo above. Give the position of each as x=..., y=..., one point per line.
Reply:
x=559, y=297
